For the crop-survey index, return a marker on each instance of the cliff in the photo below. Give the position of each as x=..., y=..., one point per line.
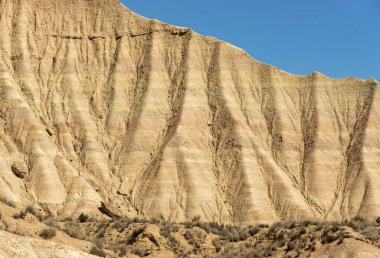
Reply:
x=98, y=104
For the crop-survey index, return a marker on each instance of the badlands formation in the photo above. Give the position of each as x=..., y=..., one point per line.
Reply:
x=102, y=107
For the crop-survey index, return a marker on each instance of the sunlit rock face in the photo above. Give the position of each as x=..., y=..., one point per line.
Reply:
x=98, y=104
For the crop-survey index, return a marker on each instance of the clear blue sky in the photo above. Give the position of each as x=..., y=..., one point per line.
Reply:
x=335, y=37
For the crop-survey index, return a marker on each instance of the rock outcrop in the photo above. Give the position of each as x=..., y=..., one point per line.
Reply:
x=102, y=105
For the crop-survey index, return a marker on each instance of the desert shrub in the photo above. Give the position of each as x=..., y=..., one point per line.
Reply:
x=48, y=233
x=101, y=230
x=290, y=224
x=216, y=228
x=99, y=243
x=135, y=233
x=139, y=220
x=98, y=252
x=120, y=248
x=329, y=238
x=295, y=235
x=335, y=228
x=372, y=234
x=31, y=210
x=243, y=235
x=290, y=247
x=279, y=236
x=274, y=227
x=302, y=231
x=7, y=202
x=309, y=246
x=73, y=230
x=196, y=218
x=167, y=228
x=120, y=226
x=16, y=232
x=241, y=251
x=233, y=235
x=319, y=227
x=359, y=219
x=155, y=221
x=50, y=222
x=20, y=215
x=139, y=252
x=307, y=223
x=172, y=241
x=83, y=217
x=205, y=226
x=268, y=252
x=378, y=220
x=192, y=238
x=356, y=225
x=188, y=224
x=189, y=235
x=217, y=243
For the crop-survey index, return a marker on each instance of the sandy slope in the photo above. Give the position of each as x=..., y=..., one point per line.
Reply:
x=17, y=246
x=98, y=104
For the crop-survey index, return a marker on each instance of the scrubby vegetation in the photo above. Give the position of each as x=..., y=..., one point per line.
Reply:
x=139, y=236
x=48, y=233
x=83, y=218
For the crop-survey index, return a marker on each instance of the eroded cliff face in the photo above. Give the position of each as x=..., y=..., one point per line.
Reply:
x=99, y=104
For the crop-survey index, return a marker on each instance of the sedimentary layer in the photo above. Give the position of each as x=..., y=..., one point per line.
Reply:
x=100, y=105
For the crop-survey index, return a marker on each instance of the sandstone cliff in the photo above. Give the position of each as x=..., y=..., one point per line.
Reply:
x=98, y=104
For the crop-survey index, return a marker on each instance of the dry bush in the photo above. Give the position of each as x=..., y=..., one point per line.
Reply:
x=359, y=219
x=245, y=250
x=101, y=230
x=372, y=234
x=98, y=252
x=50, y=221
x=217, y=243
x=31, y=210
x=274, y=227
x=329, y=238
x=135, y=233
x=120, y=224
x=120, y=248
x=83, y=218
x=166, y=228
x=48, y=233
x=73, y=230
x=196, y=218
x=139, y=252
x=20, y=215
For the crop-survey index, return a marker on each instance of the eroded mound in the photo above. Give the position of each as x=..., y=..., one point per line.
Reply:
x=98, y=104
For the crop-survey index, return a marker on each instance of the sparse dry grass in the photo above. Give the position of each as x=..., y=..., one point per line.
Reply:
x=123, y=236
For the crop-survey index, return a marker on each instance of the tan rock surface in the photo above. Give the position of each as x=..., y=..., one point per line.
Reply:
x=99, y=104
